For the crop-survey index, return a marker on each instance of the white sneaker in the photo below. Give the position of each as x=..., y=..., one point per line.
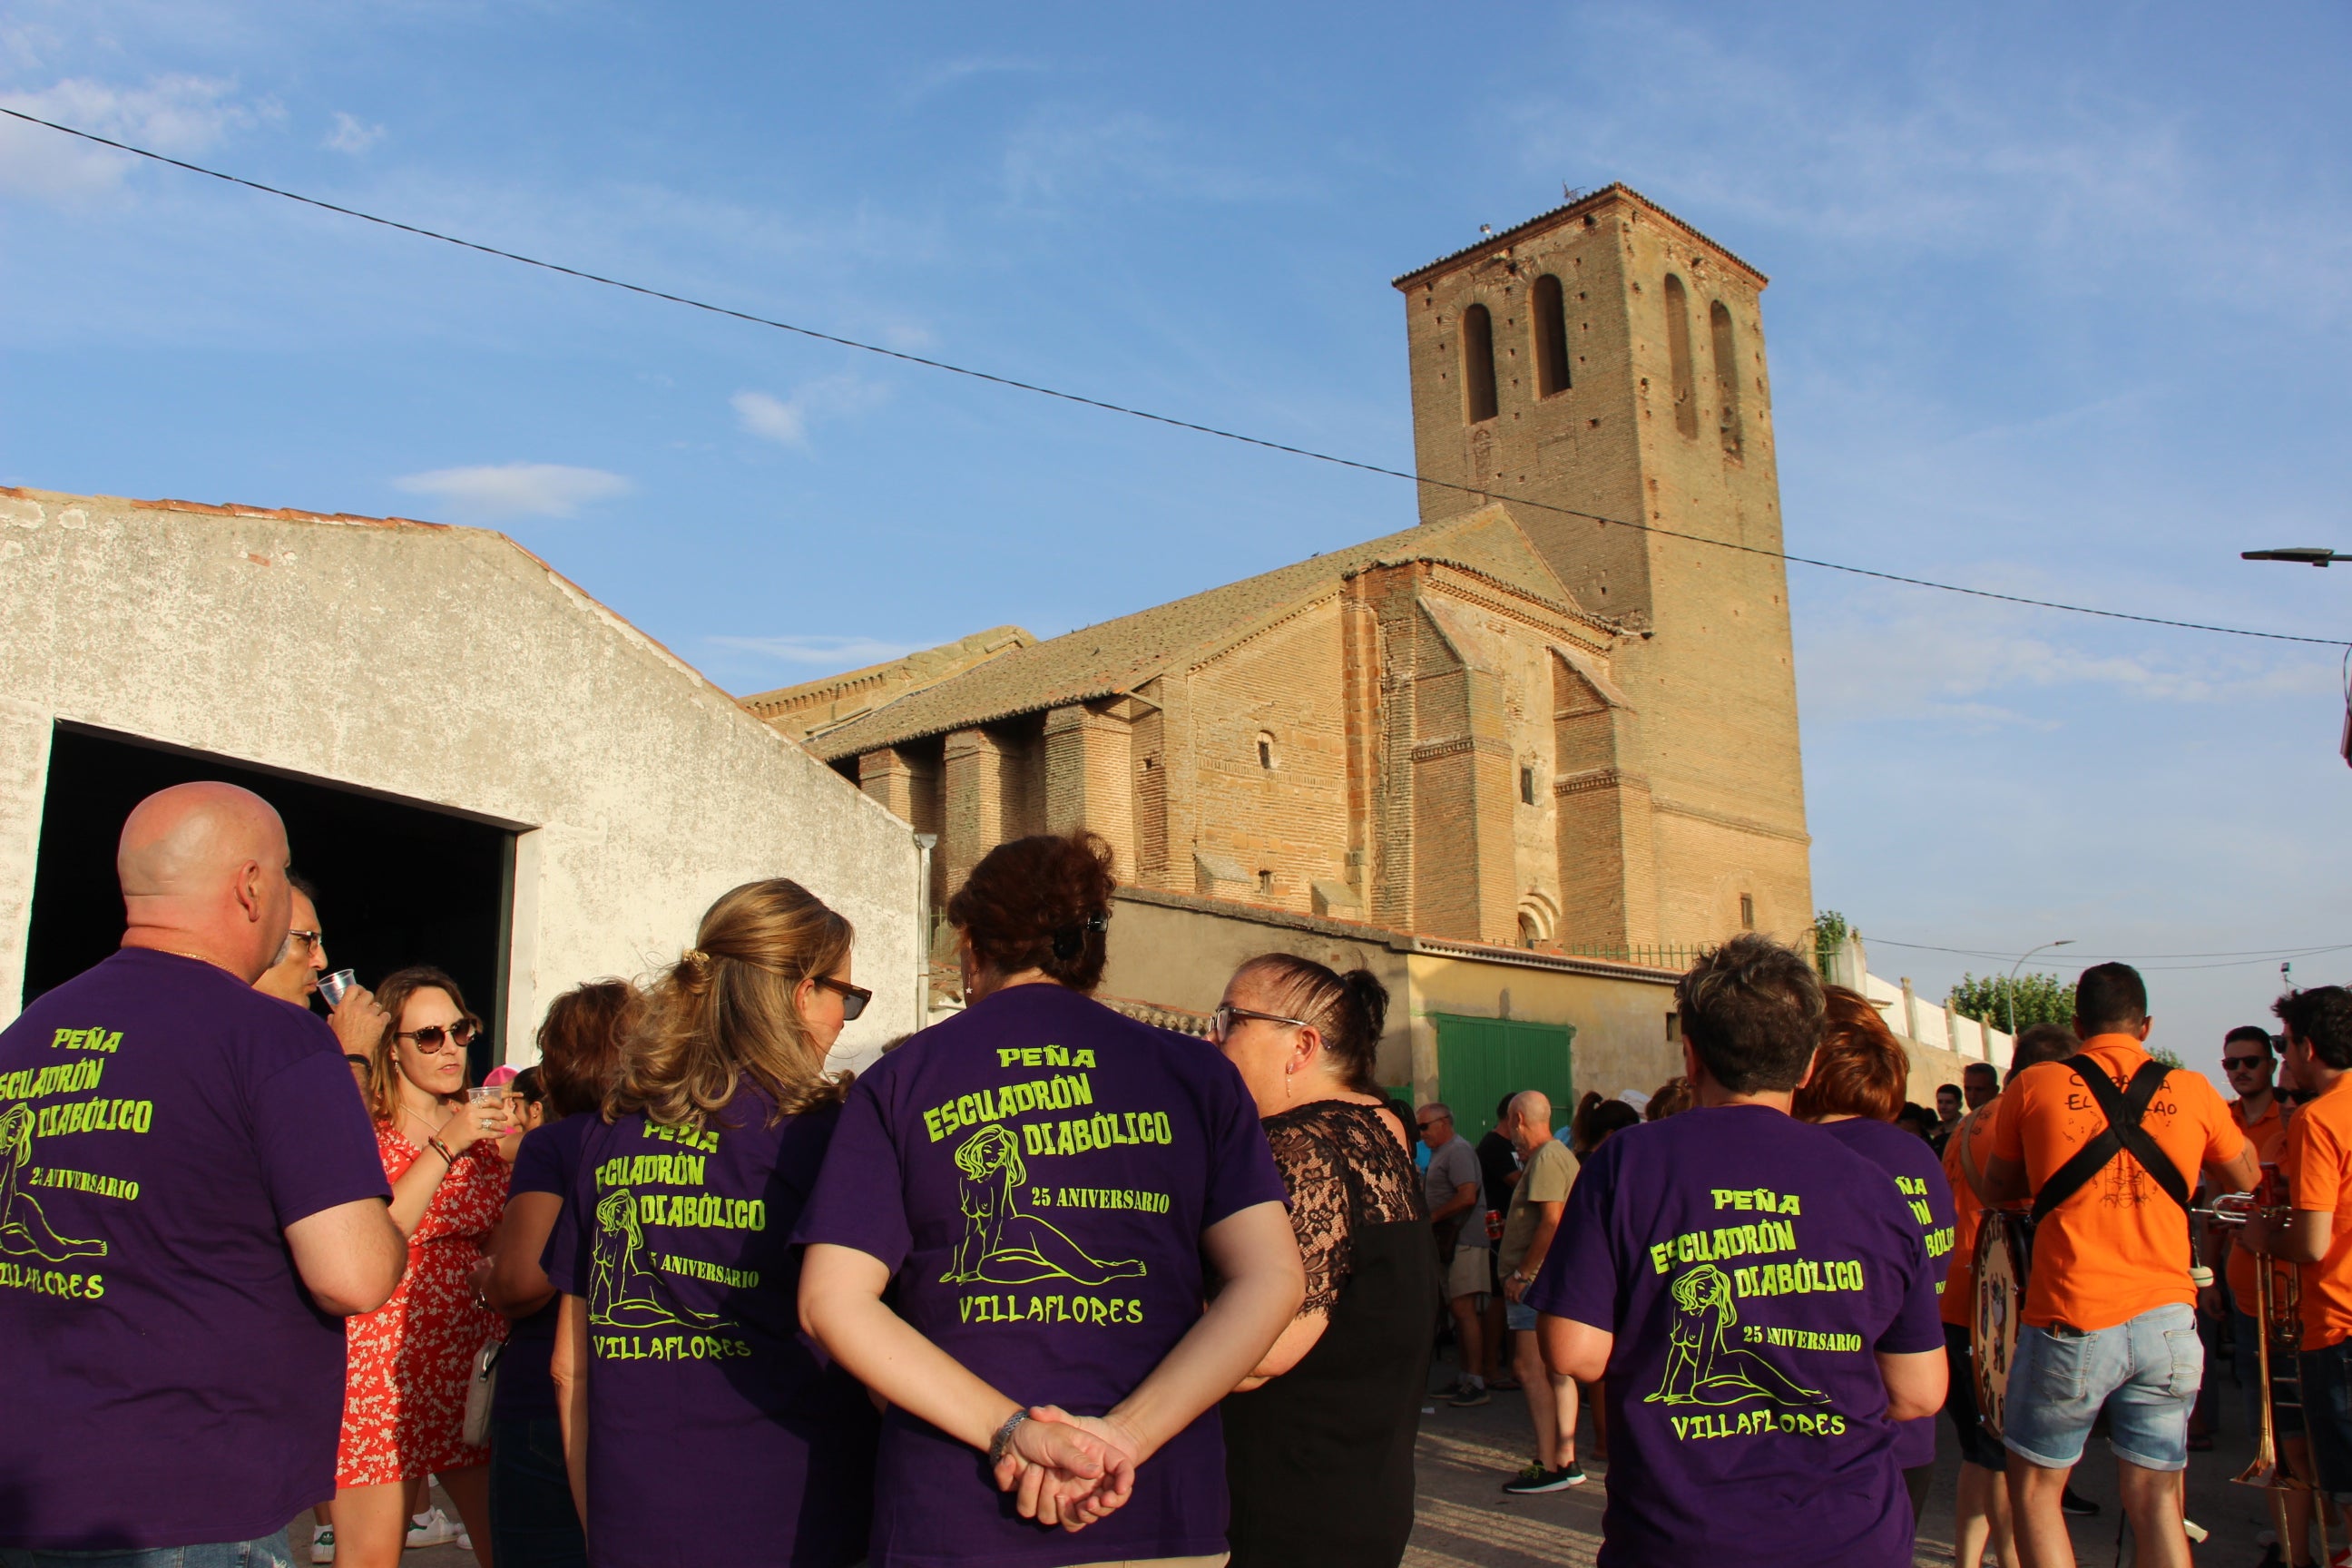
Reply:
x=322, y=1543
x=462, y=1541
x=431, y=1528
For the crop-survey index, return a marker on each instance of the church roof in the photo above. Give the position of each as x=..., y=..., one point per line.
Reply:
x=1118, y=655
x=1591, y=202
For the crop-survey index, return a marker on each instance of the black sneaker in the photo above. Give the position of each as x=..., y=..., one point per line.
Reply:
x=1535, y=1479
x=2076, y=1505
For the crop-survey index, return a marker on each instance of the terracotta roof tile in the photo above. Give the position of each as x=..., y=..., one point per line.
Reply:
x=1118, y=655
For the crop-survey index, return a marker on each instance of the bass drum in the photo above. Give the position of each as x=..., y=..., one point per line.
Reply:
x=2004, y=1253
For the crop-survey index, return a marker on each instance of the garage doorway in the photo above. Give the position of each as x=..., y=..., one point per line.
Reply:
x=399, y=882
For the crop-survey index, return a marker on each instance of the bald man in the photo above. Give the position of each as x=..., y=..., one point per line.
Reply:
x=190, y=1203
x=1548, y=1174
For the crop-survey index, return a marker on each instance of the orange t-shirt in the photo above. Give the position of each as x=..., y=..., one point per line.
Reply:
x=2267, y=1133
x=2318, y=1170
x=1959, y=1302
x=2120, y=1246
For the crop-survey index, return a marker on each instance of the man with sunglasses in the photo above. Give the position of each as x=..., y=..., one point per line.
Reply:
x=302, y=958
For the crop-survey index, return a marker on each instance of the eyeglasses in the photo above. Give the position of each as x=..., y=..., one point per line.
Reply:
x=306, y=938
x=853, y=997
x=434, y=1038
x=1220, y=1022
x=1428, y=1122
x=2233, y=1064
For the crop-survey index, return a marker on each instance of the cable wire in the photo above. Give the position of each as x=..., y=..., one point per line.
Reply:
x=1082, y=401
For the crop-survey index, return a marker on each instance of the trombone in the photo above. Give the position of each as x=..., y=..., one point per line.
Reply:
x=2279, y=1316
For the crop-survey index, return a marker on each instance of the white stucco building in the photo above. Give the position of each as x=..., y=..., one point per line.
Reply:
x=483, y=767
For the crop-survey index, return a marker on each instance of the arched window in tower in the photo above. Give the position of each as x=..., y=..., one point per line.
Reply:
x=1678, y=355
x=1266, y=750
x=1726, y=376
x=1551, y=310
x=1478, y=363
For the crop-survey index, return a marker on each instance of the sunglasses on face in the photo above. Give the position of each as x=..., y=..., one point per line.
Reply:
x=1220, y=1022
x=853, y=997
x=434, y=1038
x=2233, y=1064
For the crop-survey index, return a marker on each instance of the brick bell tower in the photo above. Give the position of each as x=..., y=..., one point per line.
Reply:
x=1607, y=358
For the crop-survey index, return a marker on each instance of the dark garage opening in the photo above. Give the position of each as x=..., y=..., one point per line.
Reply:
x=398, y=883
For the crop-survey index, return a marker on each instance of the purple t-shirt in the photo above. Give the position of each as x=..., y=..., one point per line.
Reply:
x=1749, y=1266
x=548, y=1162
x=1037, y=1172
x=717, y=1431
x=167, y=1381
x=1919, y=1177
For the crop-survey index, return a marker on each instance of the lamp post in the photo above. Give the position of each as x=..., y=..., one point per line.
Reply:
x=2301, y=554
x=2010, y=993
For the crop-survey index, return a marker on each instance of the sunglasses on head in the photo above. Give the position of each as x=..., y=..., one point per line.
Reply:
x=853, y=997
x=436, y=1037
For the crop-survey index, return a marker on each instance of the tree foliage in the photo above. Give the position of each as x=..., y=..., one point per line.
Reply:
x=1830, y=931
x=2040, y=999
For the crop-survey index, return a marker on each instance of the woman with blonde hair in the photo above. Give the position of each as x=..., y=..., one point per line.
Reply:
x=410, y=1362
x=679, y=1371
x=1042, y=1176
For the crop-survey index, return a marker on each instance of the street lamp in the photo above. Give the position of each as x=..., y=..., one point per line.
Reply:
x=2302, y=554
x=2010, y=995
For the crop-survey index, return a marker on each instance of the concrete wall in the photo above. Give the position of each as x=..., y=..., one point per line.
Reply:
x=451, y=668
x=1173, y=951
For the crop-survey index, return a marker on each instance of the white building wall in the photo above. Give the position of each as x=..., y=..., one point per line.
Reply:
x=450, y=667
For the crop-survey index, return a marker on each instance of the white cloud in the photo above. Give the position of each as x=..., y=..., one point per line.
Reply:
x=1062, y=155
x=948, y=73
x=492, y=492
x=1981, y=667
x=177, y=115
x=831, y=652
x=785, y=420
x=352, y=134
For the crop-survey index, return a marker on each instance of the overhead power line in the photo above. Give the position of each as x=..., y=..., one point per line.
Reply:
x=2149, y=961
x=1082, y=401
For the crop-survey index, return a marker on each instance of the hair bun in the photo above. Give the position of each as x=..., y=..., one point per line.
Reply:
x=1373, y=998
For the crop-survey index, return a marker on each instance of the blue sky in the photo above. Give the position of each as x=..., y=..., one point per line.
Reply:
x=2060, y=305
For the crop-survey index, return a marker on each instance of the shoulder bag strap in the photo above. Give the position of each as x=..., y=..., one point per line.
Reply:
x=2124, y=1110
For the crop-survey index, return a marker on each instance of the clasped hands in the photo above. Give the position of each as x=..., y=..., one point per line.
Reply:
x=1066, y=1469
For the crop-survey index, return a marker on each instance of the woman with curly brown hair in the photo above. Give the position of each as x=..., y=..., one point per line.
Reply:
x=1042, y=1177
x=679, y=1372
x=1854, y=1093
x=409, y=1362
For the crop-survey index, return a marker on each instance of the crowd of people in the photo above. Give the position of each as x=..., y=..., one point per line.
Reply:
x=1048, y=1286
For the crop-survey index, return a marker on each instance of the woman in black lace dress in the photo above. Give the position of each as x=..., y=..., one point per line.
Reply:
x=1318, y=1439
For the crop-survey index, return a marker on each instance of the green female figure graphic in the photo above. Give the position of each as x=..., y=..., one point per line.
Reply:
x=1700, y=1368
x=24, y=1229
x=1001, y=1244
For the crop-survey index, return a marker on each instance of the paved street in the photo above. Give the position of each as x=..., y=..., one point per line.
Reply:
x=1465, y=1520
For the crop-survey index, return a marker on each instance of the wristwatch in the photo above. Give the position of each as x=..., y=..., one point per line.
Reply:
x=998, y=1444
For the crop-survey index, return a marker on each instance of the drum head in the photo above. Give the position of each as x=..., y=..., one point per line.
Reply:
x=2004, y=1248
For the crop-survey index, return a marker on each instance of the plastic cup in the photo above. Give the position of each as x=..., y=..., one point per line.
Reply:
x=333, y=987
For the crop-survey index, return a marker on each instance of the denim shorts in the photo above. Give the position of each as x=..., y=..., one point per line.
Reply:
x=1520, y=1316
x=2144, y=1373
x=273, y=1552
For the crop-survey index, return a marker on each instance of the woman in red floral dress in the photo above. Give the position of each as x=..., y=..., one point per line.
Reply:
x=412, y=1359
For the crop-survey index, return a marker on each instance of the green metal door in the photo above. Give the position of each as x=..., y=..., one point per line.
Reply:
x=1479, y=1061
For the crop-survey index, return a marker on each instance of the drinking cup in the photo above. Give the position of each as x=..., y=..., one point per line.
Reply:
x=333, y=987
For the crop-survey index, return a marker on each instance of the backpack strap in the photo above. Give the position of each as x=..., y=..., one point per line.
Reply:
x=2124, y=1133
